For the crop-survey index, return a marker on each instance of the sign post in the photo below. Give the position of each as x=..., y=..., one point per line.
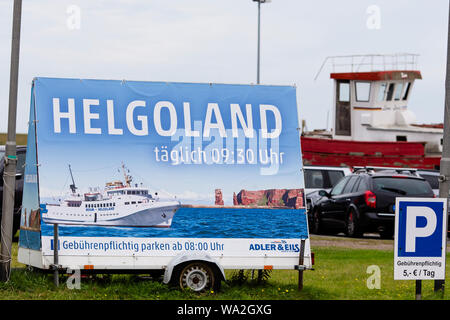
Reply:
x=420, y=240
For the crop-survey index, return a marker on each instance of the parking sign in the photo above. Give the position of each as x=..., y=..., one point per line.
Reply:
x=420, y=239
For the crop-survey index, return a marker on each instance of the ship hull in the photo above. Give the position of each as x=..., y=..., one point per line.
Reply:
x=159, y=215
x=331, y=152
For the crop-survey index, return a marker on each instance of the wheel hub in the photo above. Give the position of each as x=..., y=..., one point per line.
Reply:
x=196, y=279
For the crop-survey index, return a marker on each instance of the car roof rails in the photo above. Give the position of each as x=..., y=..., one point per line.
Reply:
x=372, y=169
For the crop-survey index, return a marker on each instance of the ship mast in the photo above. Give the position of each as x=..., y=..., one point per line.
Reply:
x=72, y=186
x=127, y=177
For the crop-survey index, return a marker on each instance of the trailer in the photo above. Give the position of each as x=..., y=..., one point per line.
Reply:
x=182, y=179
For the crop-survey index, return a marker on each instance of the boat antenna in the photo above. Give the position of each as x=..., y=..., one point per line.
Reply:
x=72, y=186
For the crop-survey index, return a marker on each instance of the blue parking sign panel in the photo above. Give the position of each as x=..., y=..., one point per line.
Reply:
x=420, y=238
x=420, y=229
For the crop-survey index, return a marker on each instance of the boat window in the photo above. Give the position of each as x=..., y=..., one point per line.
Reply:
x=133, y=202
x=405, y=94
x=381, y=91
x=126, y=203
x=344, y=91
x=390, y=91
x=398, y=91
x=362, y=91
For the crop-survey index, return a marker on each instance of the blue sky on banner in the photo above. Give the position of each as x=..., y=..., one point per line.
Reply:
x=178, y=139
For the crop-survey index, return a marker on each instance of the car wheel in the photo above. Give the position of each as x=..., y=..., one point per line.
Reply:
x=352, y=228
x=316, y=223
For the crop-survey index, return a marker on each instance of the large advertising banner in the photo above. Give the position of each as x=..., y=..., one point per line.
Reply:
x=130, y=167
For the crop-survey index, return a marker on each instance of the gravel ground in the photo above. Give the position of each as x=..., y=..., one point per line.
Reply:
x=368, y=242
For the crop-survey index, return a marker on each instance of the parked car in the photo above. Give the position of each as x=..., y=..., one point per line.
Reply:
x=365, y=202
x=432, y=177
x=321, y=178
x=20, y=169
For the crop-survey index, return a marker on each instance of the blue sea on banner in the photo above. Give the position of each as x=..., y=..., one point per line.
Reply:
x=207, y=223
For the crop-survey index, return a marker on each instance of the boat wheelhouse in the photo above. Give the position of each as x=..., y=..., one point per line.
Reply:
x=371, y=122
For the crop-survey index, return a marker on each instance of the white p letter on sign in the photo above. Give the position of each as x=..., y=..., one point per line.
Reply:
x=414, y=231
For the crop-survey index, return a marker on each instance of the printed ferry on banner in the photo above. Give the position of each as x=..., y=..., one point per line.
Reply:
x=120, y=205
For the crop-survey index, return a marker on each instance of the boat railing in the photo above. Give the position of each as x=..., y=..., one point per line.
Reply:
x=371, y=62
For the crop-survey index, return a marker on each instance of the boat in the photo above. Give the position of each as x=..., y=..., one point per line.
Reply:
x=371, y=123
x=120, y=204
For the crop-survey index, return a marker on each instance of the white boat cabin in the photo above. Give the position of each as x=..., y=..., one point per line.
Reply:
x=373, y=106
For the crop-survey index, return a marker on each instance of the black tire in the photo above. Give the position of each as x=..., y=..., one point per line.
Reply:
x=387, y=234
x=316, y=225
x=198, y=277
x=352, y=228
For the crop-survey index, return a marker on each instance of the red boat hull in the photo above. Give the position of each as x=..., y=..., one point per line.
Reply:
x=330, y=152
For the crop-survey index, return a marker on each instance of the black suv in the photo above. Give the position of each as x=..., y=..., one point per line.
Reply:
x=365, y=202
x=20, y=168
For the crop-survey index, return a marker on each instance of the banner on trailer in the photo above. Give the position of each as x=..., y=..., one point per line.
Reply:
x=126, y=159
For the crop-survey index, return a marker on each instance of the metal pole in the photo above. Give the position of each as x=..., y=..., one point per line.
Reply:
x=259, y=41
x=418, y=289
x=55, y=255
x=301, y=261
x=9, y=174
x=444, y=181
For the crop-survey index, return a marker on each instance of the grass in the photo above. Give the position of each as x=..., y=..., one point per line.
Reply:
x=340, y=274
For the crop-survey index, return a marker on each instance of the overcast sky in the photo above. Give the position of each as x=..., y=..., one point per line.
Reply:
x=216, y=41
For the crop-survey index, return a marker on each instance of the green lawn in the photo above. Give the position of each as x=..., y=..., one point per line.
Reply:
x=339, y=273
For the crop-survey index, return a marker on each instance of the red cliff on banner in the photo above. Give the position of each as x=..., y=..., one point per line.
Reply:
x=292, y=198
x=219, y=197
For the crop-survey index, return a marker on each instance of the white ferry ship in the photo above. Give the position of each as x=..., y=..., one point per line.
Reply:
x=119, y=205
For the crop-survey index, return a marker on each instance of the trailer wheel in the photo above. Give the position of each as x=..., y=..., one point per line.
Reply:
x=197, y=276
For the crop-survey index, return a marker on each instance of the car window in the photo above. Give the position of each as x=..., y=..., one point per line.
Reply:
x=362, y=186
x=432, y=180
x=348, y=187
x=335, y=177
x=403, y=186
x=356, y=184
x=339, y=187
x=20, y=166
x=314, y=179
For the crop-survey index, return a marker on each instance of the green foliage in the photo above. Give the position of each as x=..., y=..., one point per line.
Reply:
x=263, y=201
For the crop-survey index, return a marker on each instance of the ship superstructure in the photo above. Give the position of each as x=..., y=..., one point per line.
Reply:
x=119, y=204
